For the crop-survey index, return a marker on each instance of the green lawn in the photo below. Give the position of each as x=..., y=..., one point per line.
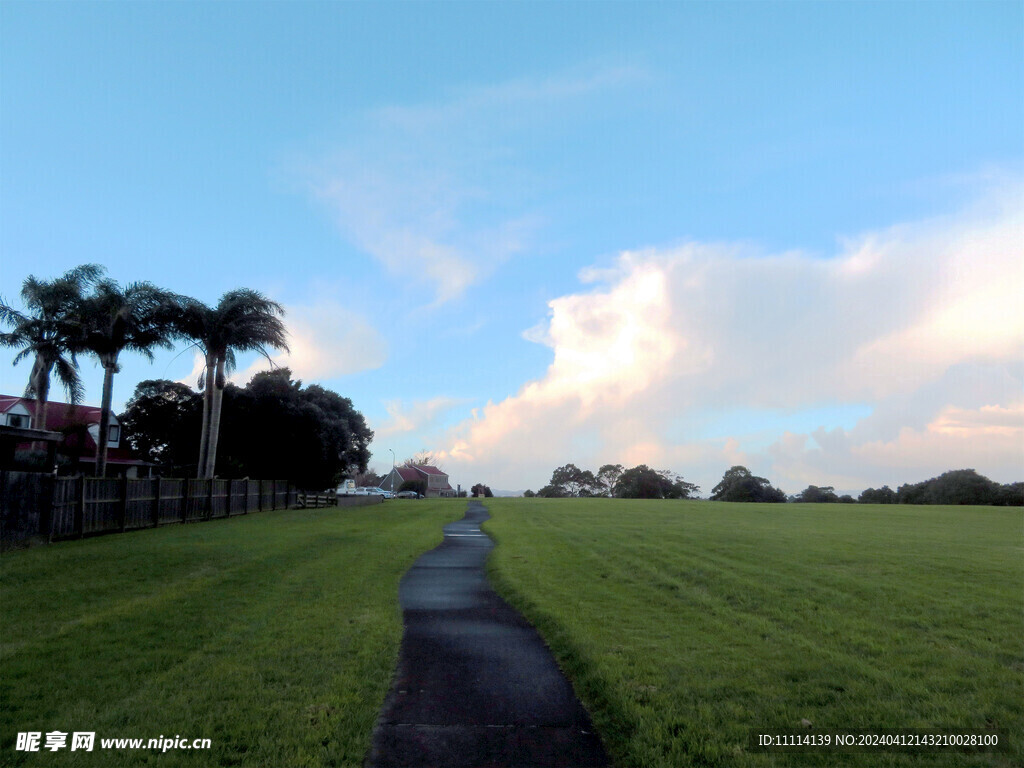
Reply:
x=688, y=627
x=274, y=635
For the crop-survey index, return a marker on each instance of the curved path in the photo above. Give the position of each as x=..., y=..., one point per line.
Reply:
x=476, y=685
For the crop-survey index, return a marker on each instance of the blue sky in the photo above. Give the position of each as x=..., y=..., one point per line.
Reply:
x=471, y=211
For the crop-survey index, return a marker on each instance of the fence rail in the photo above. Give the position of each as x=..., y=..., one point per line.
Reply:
x=33, y=504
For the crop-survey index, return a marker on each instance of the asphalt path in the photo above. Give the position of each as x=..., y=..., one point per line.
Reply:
x=476, y=686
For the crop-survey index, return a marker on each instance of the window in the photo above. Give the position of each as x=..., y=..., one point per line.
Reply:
x=114, y=433
x=18, y=421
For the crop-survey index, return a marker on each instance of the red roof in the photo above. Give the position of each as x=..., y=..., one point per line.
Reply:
x=62, y=417
x=428, y=469
x=407, y=473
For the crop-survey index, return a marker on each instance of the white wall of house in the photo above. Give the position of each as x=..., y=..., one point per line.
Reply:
x=18, y=416
x=114, y=433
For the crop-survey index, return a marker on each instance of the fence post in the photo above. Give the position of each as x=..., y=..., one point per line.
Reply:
x=156, y=504
x=122, y=511
x=80, y=509
x=229, y=500
x=46, y=512
x=245, y=506
x=209, y=500
x=184, y=499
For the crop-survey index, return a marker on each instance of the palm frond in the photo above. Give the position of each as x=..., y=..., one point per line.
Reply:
x=67, y=374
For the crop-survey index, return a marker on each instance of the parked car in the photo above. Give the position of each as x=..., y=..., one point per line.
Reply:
x=408, y=495
x=347, y=488
x=379, y=492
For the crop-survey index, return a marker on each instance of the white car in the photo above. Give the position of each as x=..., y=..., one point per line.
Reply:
x=380, y=492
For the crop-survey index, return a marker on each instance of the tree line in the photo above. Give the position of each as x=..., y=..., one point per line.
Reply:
x=613, y=480
x=85, y=312
x=739, y=484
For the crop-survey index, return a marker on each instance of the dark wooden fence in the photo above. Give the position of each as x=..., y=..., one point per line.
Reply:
x=39, y=505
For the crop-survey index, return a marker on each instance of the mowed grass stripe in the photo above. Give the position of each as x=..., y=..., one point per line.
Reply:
x=688, y=626
x=275, y=635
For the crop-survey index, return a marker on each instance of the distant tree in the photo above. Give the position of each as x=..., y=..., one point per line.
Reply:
x=738, y=484
x=160, y=421
x=528, y=494
x=678, y=488
x=847, y=499
x=1010, y=495
x=552, y=492
x=642, y=482
x=367, y=479
x=883, y=495
x=424, y=459
x=574, y=481
x=812, y=494
x=480, y=490
x=959, y=486
x=607, y=476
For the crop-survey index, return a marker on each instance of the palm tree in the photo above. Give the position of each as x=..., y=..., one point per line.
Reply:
x=136, y=318
x=243, y=321
x=50, y=329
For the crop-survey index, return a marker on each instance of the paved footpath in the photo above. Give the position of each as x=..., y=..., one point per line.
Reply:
x=476, y=686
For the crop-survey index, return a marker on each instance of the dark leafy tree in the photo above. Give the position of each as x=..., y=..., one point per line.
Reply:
x=552, y=492
x=738, y=484
x=481, y=490
x=274, y=428
x=847, y=499
x=642, y=482
x=960, y=486
x=1010, y=495
x=528, y=494
x=812, y=494
x=607, y=476
x=160, y=421
x=883, y=495
x=574, y=481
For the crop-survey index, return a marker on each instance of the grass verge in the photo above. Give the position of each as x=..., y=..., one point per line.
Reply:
x=274, y=635
x=688, y=628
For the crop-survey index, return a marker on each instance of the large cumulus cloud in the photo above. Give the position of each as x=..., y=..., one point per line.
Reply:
x=919, y=322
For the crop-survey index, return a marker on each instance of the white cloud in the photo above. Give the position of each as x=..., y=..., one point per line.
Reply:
x=433, y=191
x=921, y=322
x=325, y=341
x=416, y=416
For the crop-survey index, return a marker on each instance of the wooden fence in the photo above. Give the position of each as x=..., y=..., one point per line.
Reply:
x=71, y=507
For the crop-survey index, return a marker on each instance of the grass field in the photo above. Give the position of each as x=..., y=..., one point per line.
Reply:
x=274, y=635
x=690, y=627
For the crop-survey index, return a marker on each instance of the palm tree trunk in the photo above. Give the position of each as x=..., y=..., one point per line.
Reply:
x=40, y=385
x=204, y=440
x=215, y=403
x=109, y=366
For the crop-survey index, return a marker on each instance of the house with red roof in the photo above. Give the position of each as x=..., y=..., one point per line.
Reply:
x=80, y=427
x=435, y=481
